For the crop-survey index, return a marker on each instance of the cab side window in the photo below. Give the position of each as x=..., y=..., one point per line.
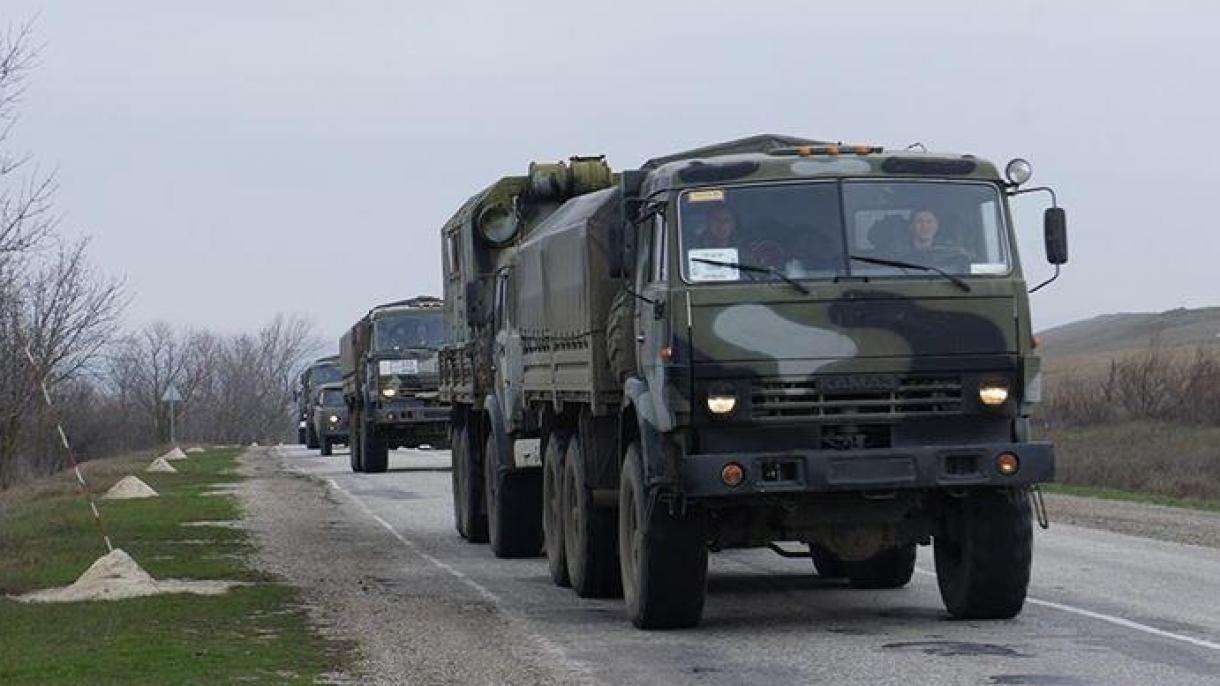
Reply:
x=660, y=251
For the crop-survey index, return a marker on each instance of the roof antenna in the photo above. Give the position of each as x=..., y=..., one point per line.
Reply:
x=918, y=145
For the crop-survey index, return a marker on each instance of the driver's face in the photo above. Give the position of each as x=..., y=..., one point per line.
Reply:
x=721, y=224
x=926, y=225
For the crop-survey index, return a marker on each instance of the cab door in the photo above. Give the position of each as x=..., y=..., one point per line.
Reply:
x=654, y=312
x=507, y=354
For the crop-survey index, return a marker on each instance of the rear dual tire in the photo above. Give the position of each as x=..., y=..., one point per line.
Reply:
x=590, y=533
x=552, y=509
x=470, y=517
x=514, y=507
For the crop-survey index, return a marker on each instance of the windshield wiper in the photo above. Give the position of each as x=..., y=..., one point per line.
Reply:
x=773, y=271
x=911, y=265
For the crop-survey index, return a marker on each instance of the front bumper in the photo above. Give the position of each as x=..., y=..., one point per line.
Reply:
x=411, y=415
x=834, y=471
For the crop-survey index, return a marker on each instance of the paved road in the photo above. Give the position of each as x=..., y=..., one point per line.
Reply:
x=1105, y=608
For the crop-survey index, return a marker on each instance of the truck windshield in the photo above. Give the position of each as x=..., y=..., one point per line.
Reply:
x=812, y=230
x=409, y=331
x=328, y=373
x=330, y=397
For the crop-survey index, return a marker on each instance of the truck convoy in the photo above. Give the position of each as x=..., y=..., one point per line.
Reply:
x=329, y=417
x=388, y=360
x=762, y=341
x=321, y=371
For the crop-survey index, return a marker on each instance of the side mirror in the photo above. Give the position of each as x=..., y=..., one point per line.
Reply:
x=1054, y=226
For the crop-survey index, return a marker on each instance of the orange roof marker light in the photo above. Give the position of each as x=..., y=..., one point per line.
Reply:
x=831, y=150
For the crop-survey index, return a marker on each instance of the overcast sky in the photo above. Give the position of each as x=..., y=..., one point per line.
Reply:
x=237, y=159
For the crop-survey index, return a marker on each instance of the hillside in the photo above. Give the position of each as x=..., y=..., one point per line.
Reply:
x=1111, y=335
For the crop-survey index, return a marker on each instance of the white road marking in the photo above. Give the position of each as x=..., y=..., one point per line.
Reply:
x=552, y=648
x=1111, y=619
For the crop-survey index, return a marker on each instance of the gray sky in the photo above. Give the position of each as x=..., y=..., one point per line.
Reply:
x=217, y=153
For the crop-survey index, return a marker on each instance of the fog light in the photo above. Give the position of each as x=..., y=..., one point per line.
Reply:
x=732, y=474
x=389, y=392
x=1007, y=464
x=993, y=394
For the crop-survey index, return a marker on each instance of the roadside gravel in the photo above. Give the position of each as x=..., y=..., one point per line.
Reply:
x=1176, y=524
x=419, y=627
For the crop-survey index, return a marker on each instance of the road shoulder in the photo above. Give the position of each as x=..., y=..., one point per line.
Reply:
x=1175, y=524
x=410, y=620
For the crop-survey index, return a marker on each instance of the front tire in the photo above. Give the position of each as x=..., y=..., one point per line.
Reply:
x=984, y=550
x=514, y=507
x=353, y=443
x=326, y=447
x=590, y=534
x=374, y=454
x=552, y=509
x=663, y=555
x=311, y=439
x=890, y=568
x=468, y=496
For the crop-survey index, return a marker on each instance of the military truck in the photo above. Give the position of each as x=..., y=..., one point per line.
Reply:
x=759, y=343
x=329, y=417
x=388, y=360
x=321, y=371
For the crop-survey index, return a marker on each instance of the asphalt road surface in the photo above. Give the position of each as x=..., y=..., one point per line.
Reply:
x=1104, y=608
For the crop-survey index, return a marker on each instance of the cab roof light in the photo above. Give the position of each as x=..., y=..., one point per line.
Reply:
x=828, y=150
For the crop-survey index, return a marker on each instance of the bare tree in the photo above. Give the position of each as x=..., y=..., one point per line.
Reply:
x=26, y=216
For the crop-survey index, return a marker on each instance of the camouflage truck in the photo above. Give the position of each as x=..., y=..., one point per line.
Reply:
x=762, y=342
x=329, y=417
x=388, y=360
x=321, y=371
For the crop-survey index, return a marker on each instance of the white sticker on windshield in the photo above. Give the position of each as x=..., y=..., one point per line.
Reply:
x=700, y=270
x=988, y=268
x=391, y=367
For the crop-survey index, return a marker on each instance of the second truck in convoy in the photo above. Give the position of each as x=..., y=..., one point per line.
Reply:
x=763, y=341
x=388, y=360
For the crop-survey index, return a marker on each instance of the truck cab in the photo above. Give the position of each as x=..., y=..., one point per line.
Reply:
x=329, y=417
x=323, y=370
x=390, y=381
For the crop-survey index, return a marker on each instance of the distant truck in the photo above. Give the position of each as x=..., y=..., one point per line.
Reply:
x=323, y=370
x=762, y=341
x=388, y=360
x=329, y=417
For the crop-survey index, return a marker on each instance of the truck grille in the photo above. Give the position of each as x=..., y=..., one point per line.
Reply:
x=862, y=398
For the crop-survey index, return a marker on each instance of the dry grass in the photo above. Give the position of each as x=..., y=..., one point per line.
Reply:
x=1159, y=458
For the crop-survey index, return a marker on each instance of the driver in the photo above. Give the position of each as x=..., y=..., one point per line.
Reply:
x=924, y=227
x=720, y=228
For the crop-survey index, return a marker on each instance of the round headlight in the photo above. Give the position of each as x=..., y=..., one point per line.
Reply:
x=993, y=394
x=1018, y=171
x=334, y=419
x=721, y=404
x=389, y=392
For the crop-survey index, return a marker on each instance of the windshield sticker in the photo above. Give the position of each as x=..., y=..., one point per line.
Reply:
x=988, y=268
x=702, y=271
x=710, y=195
x=393, y=367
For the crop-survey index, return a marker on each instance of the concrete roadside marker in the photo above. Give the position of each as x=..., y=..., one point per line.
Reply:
x=130, y=487
x=160, y=465
x=192, y=451
x=115, y=576
x=175, y=454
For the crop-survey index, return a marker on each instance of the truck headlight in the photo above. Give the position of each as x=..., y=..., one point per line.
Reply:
x=993, y=394
x=334, y=419
x=721, y=404
x=389, y=392
x=301, y=424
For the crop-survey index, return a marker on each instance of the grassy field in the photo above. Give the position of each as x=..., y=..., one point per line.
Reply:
x=254, y=634
x=1150, y=461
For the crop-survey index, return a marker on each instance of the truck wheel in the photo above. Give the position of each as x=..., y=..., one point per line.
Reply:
x=890, y=568
x=455, y=458
x=663, y=555
x=311, y=439
x=983, y=553
x=620, y=342
x=472, y=519
x=552, y=509
x=374, y=455
x=514, y=507
x=825, y=563
x=353, y=444
x=590, y=534
x=326, y=447
x=301, y=436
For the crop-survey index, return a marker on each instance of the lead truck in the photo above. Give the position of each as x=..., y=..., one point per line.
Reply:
x=768, y=342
